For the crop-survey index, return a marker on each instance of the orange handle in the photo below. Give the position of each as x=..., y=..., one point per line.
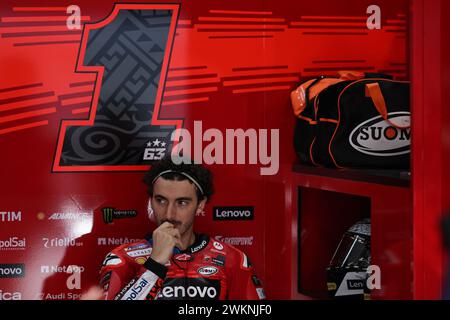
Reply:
x=373, y=91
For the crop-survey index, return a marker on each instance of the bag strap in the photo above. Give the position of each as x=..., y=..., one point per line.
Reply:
x=373, y=91
x=351, y=75
x=300, y=97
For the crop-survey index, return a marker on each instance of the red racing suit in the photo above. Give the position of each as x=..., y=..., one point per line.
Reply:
x=209, y=269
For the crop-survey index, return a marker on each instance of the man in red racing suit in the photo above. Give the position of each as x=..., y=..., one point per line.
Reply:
x=174, y=262
x=208, y=269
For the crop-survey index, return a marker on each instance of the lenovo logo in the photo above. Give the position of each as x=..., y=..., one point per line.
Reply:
x=12, y=270
x=204, y=288
x=190, y=291
x=233, y=213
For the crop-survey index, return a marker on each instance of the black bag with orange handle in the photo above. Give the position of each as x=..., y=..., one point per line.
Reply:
x=354, y=121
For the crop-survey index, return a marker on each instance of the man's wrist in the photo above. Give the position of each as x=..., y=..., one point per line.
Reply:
x=158, y=259
x=156, y=267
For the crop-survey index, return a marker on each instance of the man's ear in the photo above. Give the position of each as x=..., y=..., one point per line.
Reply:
x=150, y=212
x=201, y=206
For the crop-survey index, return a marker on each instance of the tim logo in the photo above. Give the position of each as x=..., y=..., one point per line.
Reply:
x=10, y=216
x=377, y=137
x=129, y=51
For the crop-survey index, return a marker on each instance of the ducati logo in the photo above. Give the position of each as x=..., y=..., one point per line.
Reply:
x=377, y=137
x=217, y=245
x=183, y=257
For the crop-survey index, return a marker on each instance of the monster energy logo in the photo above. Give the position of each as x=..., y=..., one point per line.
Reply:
x=111, y=213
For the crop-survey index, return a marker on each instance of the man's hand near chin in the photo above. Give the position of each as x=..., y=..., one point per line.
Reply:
x=165, y=238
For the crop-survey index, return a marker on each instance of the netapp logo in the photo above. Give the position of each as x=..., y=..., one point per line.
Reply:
x=233, y=213
x=13, y=243
x=10, y=216
x=114, y=241
x=62, y=269
x=12, y=270
x=236, y=241
x=61, y=242
x=10, y=295
x=109, y=214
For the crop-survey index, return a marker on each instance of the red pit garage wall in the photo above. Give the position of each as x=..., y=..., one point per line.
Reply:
x=232, y=64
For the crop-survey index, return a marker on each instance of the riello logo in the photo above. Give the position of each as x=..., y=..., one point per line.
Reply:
x=61, y=242
x=377, y=137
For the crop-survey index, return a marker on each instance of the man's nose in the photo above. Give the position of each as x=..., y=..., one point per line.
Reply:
x=171, y=212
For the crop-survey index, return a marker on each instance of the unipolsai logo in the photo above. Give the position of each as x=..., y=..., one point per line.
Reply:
x=377, y=137
x=13, y=243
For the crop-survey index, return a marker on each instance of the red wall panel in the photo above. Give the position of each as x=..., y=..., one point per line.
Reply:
x=232, y=65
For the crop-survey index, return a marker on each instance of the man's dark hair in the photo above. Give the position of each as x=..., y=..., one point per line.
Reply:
x=200, y=174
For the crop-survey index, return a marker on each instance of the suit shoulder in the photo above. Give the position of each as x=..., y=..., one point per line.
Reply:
x=236, y=255
x=126, y=253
